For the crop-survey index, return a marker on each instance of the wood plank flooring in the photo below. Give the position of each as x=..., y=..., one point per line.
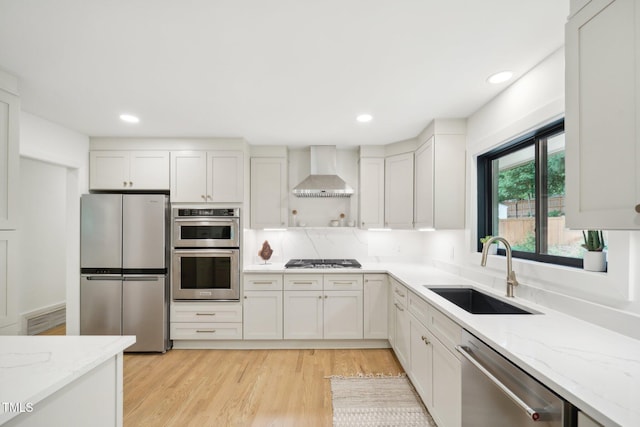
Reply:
x=241, y=387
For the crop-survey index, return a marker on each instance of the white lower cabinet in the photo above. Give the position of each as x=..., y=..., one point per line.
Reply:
x=303, y=315
x=376, y=291
x=206, y=321
x=422, y=340
x=342, y=313
x=8, y=280
x=402, y=333
x=262, y=315
x=422, y=361
x=263, y=307
x=447, y=387
x=326, y=306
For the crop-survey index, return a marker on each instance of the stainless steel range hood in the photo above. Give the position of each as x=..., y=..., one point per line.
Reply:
x=323, y=181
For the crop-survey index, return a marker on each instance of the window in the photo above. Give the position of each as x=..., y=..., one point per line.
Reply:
x=521, y=191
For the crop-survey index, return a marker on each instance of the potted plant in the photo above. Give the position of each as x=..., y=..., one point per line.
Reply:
x=594, y=259
x=494, y=246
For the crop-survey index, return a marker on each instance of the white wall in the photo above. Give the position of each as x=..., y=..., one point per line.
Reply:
x=51, y=143
x=42, y=234
x=606, y=299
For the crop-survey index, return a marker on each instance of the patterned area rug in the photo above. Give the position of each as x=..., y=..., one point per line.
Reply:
x=377, y=401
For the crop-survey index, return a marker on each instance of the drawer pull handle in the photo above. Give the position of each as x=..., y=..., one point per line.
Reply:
x=426, y=340
x=398, y=306
x=262, y=283
x=399, y=293
x=302, y=283
x=342, y=283
x=205, y=331
x=205, y=314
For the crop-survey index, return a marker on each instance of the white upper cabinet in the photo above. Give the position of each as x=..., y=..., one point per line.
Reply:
x=207, y=176
x=9, y=159
x=129, y=170
x=269, y=195
x=398, y=191
x=602, y=121
x=371, y=202
x=440, y=183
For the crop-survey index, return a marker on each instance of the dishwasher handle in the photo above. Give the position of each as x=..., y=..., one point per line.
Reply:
x=532, y=413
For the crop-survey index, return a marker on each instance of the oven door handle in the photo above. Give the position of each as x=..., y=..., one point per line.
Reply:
x=203, y=251
x=532, y=413
x=228, y=220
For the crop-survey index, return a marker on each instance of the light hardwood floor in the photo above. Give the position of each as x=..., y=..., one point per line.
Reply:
x=241, y=387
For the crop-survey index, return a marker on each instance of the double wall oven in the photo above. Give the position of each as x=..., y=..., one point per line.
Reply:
x=206, y=254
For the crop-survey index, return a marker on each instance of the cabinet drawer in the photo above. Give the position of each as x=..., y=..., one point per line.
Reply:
x=399, y=292
x=205, y=313
x=419, y=308
x=303, y=282
x=445, y=329
x=263, y=282
x=343, y=282
x=206, y=331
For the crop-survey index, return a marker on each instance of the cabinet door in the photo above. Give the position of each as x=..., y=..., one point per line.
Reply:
x=371, y=209
x=421, y=355
x=602, y=116
x=269, y=196
x=109, y=170
x=8, y=275
x=398, y=191
x=447, y=383
x=9, y=160
x=302, y=315
x=342, y=314
x=149, y=170
x=188, y=176
x=262, y=315
x=391, y=317
x=376, y=291
x=402, y=335
x=424, y=185
x=225, y=176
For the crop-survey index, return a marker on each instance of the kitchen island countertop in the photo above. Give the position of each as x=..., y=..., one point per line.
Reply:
x=33, y=368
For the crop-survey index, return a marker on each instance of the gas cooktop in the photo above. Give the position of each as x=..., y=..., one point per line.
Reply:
x=322, y=263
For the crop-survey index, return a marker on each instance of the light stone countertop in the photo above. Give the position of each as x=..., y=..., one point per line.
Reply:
x=34, y=367
x=596, y=369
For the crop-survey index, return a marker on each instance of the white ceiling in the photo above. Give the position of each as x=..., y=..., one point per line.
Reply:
x=292, y=72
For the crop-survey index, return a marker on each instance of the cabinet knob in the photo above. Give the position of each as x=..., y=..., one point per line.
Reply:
x=638, y=208
x=124, y=184
x=130, y=184
x=319, y=296
x=245, y=297
x=203, y=197
x=209, y=197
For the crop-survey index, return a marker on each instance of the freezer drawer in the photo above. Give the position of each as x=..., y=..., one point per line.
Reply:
x=144, y=312
x=100, y=305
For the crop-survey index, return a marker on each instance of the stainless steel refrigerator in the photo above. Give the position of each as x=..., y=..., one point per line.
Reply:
x=123, y=268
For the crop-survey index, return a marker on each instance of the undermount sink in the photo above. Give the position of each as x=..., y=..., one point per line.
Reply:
x=476, y=302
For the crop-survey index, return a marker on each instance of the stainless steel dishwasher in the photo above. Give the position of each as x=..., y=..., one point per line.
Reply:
x=496, y=393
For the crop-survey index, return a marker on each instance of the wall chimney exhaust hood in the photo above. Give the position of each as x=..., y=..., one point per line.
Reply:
x=323, y=181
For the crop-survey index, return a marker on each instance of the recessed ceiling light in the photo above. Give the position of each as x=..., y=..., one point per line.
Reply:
x=500, y=77
x=364, y=118
x=129, y=118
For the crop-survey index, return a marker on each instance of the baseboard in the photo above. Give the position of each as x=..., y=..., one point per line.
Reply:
x=279, y=344
x=42, y=319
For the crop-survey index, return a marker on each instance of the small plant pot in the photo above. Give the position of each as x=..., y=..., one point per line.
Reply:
x=595, y=261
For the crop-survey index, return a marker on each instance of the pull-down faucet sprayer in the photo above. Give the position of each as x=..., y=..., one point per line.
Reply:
x=511, y=275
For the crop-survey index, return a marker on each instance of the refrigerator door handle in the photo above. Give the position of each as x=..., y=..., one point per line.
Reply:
x=118, y=278
x=142, y=279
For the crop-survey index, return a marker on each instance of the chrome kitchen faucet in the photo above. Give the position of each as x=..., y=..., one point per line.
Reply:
x=511, y=275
